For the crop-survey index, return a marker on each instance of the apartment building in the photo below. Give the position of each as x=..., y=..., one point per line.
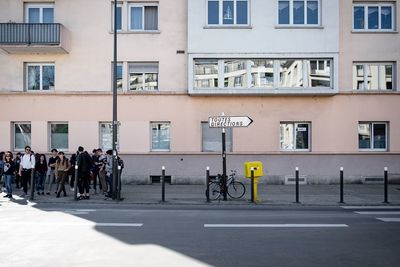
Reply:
x=319, y=78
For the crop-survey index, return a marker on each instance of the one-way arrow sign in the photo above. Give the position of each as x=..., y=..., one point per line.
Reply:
x=229, y=121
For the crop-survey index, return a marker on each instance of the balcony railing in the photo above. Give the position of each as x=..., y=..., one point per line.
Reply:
x=17, y=37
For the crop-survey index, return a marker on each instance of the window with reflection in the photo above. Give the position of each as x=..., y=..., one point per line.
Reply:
x=373, y=76
x=22, y=135
x=373, y=16
x=205, y=73
x=291, y=73
x=262, y=73
x=40, y=76
x=143, y=76
x=160, y=136
x=319, y=73
x=235, y=73
x=227, y=12
x=295, y=136
x=372, y=135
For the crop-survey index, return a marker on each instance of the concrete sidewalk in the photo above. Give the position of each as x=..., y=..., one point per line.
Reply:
x=324, y=195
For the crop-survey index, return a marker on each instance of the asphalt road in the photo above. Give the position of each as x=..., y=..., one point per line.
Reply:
x=184, y=235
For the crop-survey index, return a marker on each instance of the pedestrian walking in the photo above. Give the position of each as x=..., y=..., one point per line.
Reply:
x=8, y=170
x=26, y=168
x=52, y=174
x=62, y=167
x=41, y=172
x=84, y=162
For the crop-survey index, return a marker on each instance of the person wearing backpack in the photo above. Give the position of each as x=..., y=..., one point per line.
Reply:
x=26, y=167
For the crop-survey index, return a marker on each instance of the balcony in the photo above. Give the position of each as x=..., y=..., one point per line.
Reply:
x=34, y=38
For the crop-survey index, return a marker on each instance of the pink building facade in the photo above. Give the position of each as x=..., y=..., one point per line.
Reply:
x=319, y=78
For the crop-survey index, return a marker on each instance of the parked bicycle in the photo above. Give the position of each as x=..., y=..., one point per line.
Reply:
x=234, y=188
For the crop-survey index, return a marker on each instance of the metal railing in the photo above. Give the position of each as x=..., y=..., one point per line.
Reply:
x=30, y=33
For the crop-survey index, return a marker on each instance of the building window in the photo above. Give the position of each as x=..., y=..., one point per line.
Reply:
x=372, y=136
x=212, y=138
x=160, y=136
x=119, y=75
x=40, y=76
x=22, y=135
x=299, y=12
x=206, y=73
x=373, y=17
x=295, y=136
x=373, y=76
x=143, y=17
x=58, y=135
x=39, y=13
x=227, y=12
x=119, y=17
x=263, y=73
x=143, y=76
x=106, y=137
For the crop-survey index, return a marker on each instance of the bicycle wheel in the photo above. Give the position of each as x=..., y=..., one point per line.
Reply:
x=215, y=190
x=236, y=190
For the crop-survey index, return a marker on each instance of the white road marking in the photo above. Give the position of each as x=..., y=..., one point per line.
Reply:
x=370, y=207
x=389, y=219
x=284, y=225
x=57, y=224
x=378, y=212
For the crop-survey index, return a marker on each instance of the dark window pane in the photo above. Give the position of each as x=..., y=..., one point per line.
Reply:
x=59, y=136
x=364, y=135
x=312, y=12
x=298, y=12
x=151, y=18
x=373, y=17
x=48, y=77
x=302, y=136
x=228, y=11
x=119, y=18
x=119, y=77
x=359, y=17
x=283, y=12
x=386, y=17
x=241, y=17
x=388, y=84
x=380, y=135
x=213, y=12
x=48, y=15
x=34, y=15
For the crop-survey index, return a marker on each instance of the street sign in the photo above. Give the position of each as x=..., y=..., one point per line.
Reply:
x=229, y=121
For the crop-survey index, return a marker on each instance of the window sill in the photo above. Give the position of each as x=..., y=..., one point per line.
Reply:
x=137, y=32
x=223, y=27
x=295, y=151
x=318, y=27
x=373, y=150
x=374, y=31
x=246, y=91
x=375, y=92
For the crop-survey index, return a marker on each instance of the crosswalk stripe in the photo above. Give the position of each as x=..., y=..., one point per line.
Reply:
x=370, y=207
x=389, y=219
x=378, y=212
x=285, y=225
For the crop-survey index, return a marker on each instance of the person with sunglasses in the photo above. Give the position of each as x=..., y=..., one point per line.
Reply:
x=26, y=168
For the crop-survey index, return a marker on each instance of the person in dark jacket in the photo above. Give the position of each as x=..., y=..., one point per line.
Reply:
x=41, y=172
x=17, y=162
x=8, y=171
x=84, y=161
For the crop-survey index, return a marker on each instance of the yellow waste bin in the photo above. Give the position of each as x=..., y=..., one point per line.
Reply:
x=257, y=166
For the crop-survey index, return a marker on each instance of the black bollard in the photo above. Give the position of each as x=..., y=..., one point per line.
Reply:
x=32, y=184
x=385, y=177
x=252, y=185
x=297, y=185
x=341, y=185
x=208, y=184
x=163, y=184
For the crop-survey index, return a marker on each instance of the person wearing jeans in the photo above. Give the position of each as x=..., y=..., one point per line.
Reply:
x=9, y=169
x=41, y=171
x=52, y=175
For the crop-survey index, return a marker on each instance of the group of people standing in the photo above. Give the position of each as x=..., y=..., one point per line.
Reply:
x=58, y=170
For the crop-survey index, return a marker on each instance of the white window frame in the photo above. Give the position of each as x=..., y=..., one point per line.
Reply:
x=13, y=134
x=41, y=7
x=143, y=5
x=221, y=15
x=295, y=125
x=151, y=136
x=380, y=81
x=276, y=62
x=372, y=123
x=49, y=134
x=121, y=5
x=379, y=5
x=305, y=14
x=100, y=135
x=143, y=73
x=41, y=65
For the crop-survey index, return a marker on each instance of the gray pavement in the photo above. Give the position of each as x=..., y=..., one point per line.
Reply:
x=269, y=195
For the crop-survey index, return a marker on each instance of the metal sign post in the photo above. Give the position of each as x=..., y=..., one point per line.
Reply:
x=224, y=164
